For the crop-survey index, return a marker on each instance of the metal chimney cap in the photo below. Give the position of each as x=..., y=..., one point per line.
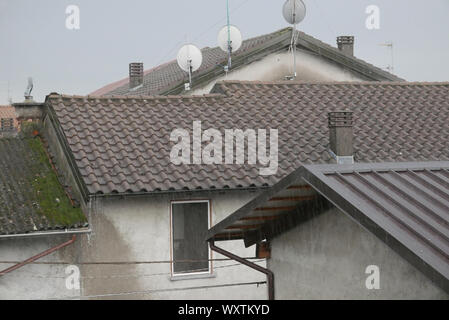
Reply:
x=345, y=39
x=340, y=119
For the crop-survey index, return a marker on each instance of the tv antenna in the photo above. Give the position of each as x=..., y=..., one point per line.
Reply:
x=294, y=11
x=189, y=59
x=229, y=38
x=28, y=90
x=389, y=44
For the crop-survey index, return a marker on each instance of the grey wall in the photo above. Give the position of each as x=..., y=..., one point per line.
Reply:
x=134, y=229
x=46, y=279
x=138, y=229
x=276, y=66
x=326, y=258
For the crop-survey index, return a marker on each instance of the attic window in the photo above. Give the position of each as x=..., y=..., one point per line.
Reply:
x=190, y=221
x=6, y=124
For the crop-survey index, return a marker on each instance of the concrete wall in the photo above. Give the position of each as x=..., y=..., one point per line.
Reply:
x=134, y=229
x=138, y=229
x=326, y=258
x=277, y=66
x=43, y=280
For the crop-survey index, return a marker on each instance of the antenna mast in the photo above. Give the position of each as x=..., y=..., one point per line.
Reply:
x=229, y=39
x=390, y=46
x=294, y=40
x=229, y=36
x=294, y=12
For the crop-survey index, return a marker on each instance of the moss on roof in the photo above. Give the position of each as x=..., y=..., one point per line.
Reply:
x=52, y=199
x=31, y=196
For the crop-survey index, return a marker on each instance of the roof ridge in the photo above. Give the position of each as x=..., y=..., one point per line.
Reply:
x=364, y=83
x=117, y=84
x=137, y=97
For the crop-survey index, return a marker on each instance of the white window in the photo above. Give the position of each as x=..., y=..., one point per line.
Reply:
x=190, y=221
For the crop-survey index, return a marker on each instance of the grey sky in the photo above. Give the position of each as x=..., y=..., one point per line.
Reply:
x=35, y=42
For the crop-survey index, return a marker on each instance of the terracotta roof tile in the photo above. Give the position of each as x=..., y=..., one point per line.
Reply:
x=122, y=144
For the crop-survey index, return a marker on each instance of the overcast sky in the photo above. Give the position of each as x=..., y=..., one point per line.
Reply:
x=34, y=40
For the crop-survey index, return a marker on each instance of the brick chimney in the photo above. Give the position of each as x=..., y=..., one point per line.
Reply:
x=341, y=136
x=135, y=74
x=29, y=111
x=346, y=44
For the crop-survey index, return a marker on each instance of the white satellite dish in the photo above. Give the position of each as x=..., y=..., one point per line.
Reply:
x=231, y=34
x=189, y=59
x=294, y=11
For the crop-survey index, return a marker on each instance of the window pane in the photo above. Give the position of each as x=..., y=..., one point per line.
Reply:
x=190, y=224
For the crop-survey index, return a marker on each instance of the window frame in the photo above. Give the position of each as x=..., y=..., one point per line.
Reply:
x=173, y=274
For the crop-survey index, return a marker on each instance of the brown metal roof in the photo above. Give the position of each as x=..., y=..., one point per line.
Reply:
x=122, y=144
x=405, y=204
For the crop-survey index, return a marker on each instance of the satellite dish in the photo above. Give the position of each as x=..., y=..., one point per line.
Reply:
x=189, y=58
x=233, y=34
x=294, y=11
x=29, y=88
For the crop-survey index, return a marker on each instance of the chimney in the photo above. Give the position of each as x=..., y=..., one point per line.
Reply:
x=341, y=136
x=135, y=74
x=346, y=44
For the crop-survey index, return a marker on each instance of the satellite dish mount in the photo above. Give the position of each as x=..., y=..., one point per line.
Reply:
x=229, y=39
x=189, y=59
x=229, y=36
x=294, y=11
x=27, y=94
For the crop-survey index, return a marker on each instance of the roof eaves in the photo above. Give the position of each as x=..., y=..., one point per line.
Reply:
x=433, y=265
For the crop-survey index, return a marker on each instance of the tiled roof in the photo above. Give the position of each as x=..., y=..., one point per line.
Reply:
x=8, y=112
x=31, y=198
x=167, y=77
x=122, y=144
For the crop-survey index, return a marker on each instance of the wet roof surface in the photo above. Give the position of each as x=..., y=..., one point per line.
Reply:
x=31, y=198
x=122, y=144
x=405, y=204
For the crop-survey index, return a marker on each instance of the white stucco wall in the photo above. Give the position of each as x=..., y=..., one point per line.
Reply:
x=277, y=66
x=37, y=281
x=138, y=229
x=326, y=258
x=134, y=229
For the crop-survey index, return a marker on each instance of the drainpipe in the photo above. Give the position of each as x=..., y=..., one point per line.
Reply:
x=269, y=273
x=36, y=257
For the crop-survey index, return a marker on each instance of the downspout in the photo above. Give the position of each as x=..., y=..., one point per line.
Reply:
x=36, y=257
x=269, y=273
